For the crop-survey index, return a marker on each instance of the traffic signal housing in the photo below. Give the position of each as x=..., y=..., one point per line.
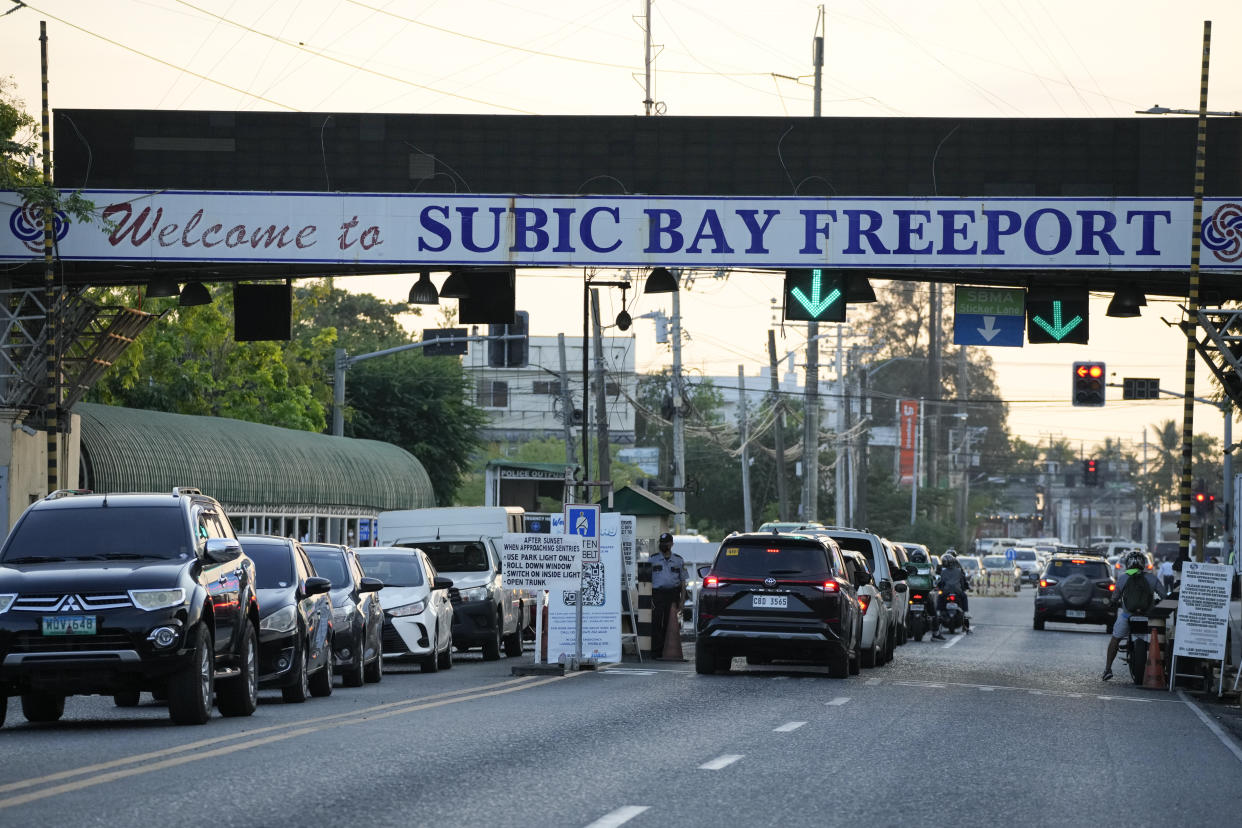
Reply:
x=1088, y=384
x=1090, y=473
x=814, y=295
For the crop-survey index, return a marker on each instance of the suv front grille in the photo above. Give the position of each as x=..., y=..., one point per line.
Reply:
x=73, y=602
x=30, y=642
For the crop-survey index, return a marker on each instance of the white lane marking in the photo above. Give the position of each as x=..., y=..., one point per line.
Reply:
x=1212, y=726
x=788, y=726
x=918, y=684
x=873, y=681
x=988, y=689
x=954, y=640
x=619, y=816
x=838, y=701
x=721, y=762
x=1118, y=698
x=628, y=672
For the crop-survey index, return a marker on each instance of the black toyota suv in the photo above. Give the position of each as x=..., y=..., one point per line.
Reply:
x=121, y=593
x=1076, y=588
x=774, y=596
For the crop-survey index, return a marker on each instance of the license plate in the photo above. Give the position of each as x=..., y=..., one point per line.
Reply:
x=1075, y=613
x=68, y=625
x=770, y=601
x=916, y=608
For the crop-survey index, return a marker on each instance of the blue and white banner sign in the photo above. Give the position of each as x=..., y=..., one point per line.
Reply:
x=709, y=231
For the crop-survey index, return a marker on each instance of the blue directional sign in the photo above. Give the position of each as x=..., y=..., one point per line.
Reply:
x=814, y=295
x=989, y=316
x=1010, y=554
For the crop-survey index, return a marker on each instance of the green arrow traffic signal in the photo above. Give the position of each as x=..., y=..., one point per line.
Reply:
x=1057, y=330
x=1056, y=315
x=814, y=295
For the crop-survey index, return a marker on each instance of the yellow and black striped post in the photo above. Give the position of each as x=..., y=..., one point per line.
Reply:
x=52, y=406
x=1192, y=307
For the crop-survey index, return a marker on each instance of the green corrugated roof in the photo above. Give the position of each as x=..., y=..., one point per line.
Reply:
x=247, y=466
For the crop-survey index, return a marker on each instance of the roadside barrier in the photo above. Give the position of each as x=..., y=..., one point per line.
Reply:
x=644, y=607
x=1153, y=676
x=996, y=585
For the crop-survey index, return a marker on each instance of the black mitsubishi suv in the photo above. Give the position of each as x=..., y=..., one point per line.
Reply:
x=772, y=596
x=119, y=593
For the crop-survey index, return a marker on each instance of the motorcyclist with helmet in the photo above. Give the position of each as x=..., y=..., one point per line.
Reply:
x=953, y=579
x=1135, y=565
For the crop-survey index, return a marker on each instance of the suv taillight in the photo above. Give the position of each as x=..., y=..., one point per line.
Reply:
x=1044, y=583
x=863, y=601
x=711, y=582
x=830, y=586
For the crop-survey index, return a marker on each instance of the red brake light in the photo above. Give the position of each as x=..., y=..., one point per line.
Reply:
x=711, y=582
x=830, y=586
x=1112, y=587
x=916, y=597
x=773, y=551
x=1043, y=583
x=863, y=602
x=1074, y=560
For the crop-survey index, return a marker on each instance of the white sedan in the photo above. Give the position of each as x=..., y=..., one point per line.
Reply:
x=418, y=613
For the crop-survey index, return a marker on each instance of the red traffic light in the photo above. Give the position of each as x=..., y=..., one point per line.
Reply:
x=1200, y=497
x=1089, y=369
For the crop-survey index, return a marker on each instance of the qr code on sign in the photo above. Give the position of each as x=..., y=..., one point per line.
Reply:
x=592, y=587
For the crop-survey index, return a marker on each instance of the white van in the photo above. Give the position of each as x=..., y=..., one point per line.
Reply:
x=464, y=545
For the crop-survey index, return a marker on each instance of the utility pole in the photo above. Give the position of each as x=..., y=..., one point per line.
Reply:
x=679, y=426
x=810, y=420
x=648, y=103
x=601, y=396
x=782, y=498
x=567, y=405
x=963, y=492
x=839, y=467
x=741, y=424
x=933, y=387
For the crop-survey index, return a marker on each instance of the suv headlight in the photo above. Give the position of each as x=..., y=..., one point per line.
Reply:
x=407, y=609
x=157, y=599
x=6, y=601
x=282, y=620
x=474, y=594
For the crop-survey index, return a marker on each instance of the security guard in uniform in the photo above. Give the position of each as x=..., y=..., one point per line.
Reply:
x=668, y=588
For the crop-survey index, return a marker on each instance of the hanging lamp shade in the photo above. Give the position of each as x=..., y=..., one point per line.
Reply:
x=455, y=286
x=194, y=293
x=1126, y=302
x=424, y=292
x=661, y=280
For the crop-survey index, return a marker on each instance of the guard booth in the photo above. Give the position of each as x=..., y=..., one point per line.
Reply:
x=536, y=487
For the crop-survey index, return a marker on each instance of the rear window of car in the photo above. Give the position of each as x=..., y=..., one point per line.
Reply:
x=455, y=556
x=771, y=560
x=1023, y=555
x=862, y=545
x=273, y=564
x=997, y=562
x=969, y=563
x=116, y=532
x=330, y=564
x=393, y=568
x=1091, y=569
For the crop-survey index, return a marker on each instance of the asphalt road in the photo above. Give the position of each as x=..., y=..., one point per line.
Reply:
x=1013, y=725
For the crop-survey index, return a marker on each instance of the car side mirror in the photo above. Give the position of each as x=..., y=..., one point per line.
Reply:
x=885, y=583
x=317, y=586
x=370, y=585
x=222, y=550
x=900, y=574
x=442, y=583
x=703, y=570
x=862, y=578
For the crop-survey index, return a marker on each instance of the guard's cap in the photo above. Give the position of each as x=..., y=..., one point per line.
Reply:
x=666, y=537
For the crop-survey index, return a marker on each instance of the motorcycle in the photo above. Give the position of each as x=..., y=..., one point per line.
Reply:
x=951, y=616
x=918, y=618
x=1134, y=648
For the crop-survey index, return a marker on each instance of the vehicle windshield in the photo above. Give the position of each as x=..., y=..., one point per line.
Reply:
x=751, y=560
x=112, y=533
x=330, y=564
x=455, y=556
x=1091, y=569
x=273, y=563
x=398, y=569
x=996, y=563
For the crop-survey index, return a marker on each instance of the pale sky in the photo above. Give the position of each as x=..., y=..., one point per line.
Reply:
x=976, y=58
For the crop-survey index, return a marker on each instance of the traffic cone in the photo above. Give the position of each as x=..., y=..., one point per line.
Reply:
x=1153, y=676
x=672, y=635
